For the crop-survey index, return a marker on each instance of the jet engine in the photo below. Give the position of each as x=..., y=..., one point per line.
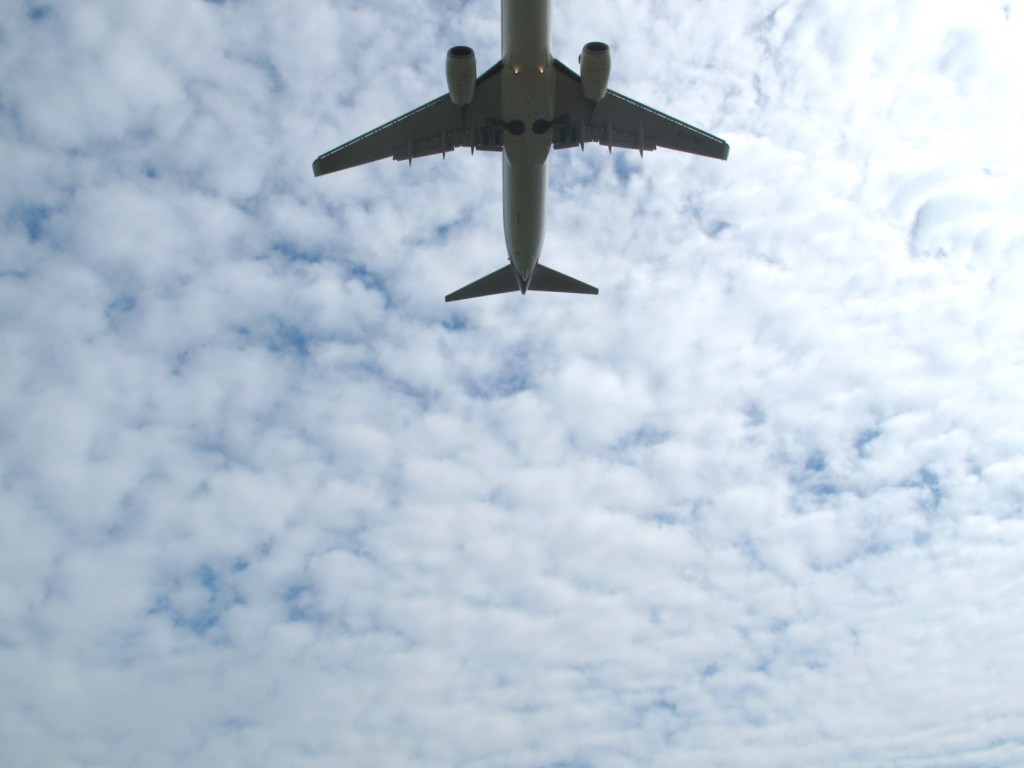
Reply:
x=595, y=68
x=460, y=69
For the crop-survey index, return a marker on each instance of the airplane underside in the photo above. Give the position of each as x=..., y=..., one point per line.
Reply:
x=525, y=106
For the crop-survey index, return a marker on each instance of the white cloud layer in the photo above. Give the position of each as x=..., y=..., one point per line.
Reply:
x=266, y=500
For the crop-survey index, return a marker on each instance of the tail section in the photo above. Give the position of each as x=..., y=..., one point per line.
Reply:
x=547, y=279
x=505, y=281
x=502, y=281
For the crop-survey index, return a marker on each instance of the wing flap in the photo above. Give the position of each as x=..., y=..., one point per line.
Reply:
x=619, y=121
x=435, y=128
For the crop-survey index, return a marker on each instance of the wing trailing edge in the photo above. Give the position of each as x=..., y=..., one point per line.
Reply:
x=436, y=128
x=619, y=121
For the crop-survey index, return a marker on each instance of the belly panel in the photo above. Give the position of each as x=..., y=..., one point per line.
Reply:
x=524, y=187
x=525, y=32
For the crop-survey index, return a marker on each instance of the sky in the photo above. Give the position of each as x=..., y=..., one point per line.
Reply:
x=267, y=500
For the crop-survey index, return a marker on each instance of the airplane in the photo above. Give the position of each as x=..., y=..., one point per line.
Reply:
x=524, y=106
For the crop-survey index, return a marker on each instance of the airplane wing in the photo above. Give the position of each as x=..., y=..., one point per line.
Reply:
x=618, y=121
x=435, y=128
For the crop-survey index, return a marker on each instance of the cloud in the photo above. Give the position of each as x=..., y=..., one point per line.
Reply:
x=266, y=499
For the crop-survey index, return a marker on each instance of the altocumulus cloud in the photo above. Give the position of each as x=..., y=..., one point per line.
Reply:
x=266, y=500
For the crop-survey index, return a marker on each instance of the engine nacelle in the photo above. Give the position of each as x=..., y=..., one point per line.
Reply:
x=595, y=69
x=460, y=69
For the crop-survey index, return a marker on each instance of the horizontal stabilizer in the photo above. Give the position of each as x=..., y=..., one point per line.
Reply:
x=502, y=281
x=547, y=279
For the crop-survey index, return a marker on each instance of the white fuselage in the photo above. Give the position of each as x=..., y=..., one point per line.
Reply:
x=527, y=96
